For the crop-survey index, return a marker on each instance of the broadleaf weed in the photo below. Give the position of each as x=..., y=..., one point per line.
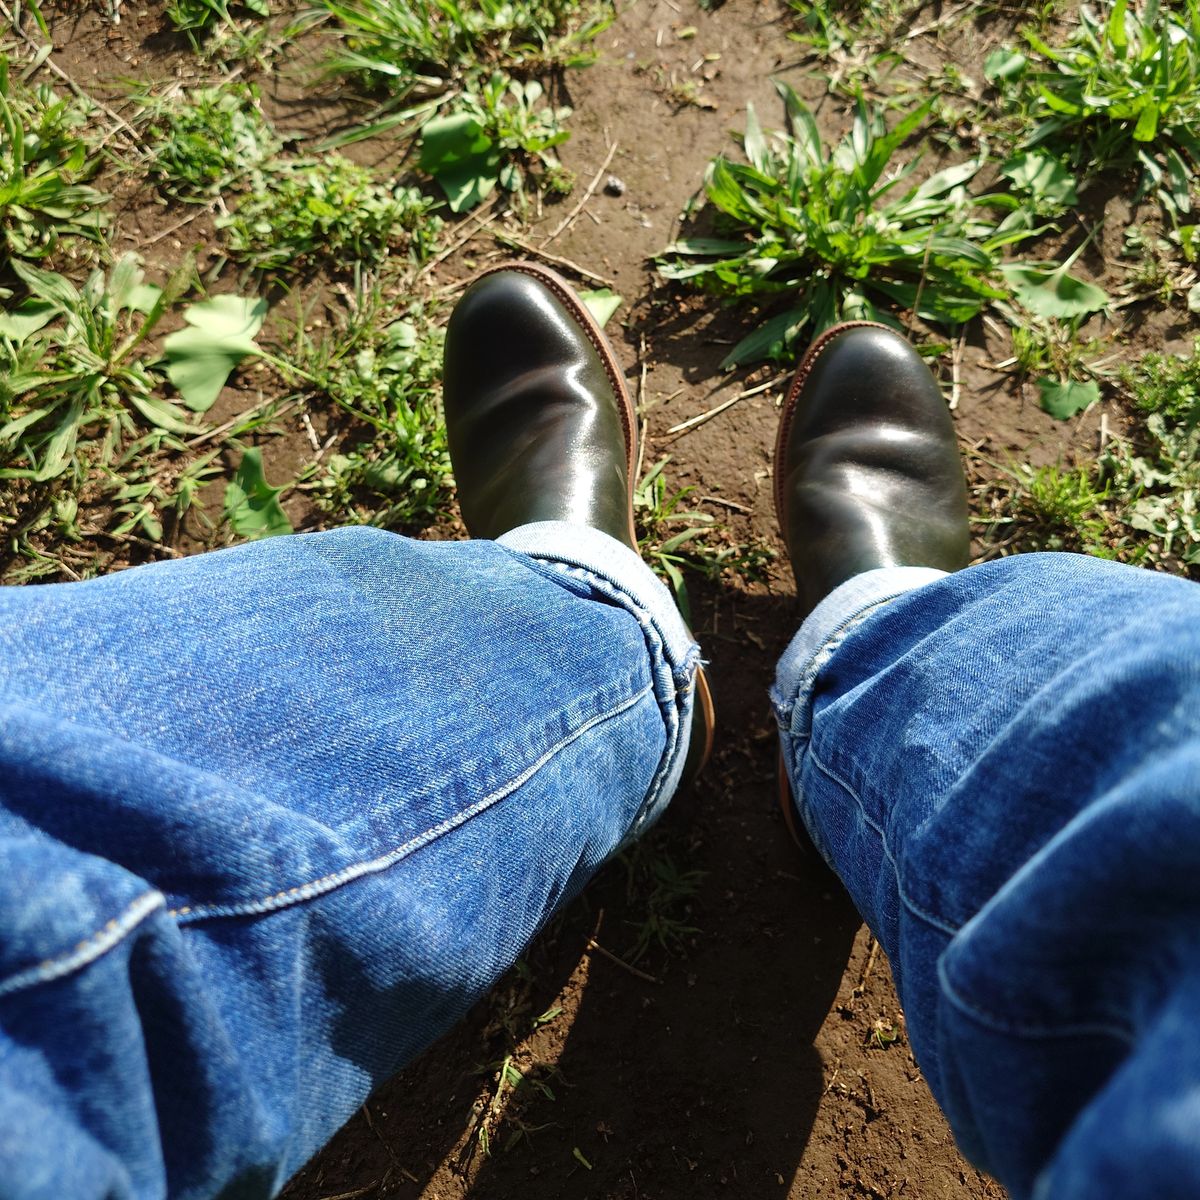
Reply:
x=829, y=232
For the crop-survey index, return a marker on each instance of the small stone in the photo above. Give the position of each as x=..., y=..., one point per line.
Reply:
x=614, y=186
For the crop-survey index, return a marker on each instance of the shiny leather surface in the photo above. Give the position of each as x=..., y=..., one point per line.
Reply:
x=871, y=469
x=535, y=428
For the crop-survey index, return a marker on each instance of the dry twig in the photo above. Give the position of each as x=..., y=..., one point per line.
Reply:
x=587, y=195
x=508, y=239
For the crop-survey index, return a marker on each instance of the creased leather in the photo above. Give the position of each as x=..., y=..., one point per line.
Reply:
x=871, y=470
x=535, y=430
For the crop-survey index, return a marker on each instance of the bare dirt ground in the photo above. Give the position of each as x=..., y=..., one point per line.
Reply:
x=763, y=1052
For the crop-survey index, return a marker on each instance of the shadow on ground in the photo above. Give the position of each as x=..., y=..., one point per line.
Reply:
x=694, y=1072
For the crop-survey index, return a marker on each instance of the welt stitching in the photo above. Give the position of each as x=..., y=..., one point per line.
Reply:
x=88, y=950
x=191, y=913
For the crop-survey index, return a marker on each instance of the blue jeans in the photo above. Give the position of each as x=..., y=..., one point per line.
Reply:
x=271, y=819
x=1003, y=766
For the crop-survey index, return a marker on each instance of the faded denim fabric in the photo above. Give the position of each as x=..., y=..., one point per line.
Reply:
x=1003, y=765
x=272, y=818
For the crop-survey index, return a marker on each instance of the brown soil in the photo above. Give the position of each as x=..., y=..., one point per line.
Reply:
x=763, y=1053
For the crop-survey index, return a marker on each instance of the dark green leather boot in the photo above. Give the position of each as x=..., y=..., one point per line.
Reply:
x=541, y=427
x=867, y=470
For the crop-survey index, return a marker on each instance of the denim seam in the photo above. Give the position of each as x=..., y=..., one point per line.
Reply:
x=191, y=913
x=993, y=1022
x=88, y=950
x=999, y=1025
x=658, y=645
x=905, y=899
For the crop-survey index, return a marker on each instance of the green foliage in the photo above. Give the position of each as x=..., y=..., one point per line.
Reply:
x=1123, y=90
x=1047, y=290
x=663, y=893
x=43, y=164
x=1167, y=384
x=826, y=231
x=1054, y=508
x=852, y=38
x=1159, y=469
x=673, y=539
x=1041, y=181
x=207, y=139
x=219, y=334
x=382, y=366
x=326, y=209
x=85, y=422
x=496, y=134
x=1051, y=349
x=602, y=303
x=203, y=16
x=421, y=48
x=1063, y=398
x=67, y=357
x=252, y=506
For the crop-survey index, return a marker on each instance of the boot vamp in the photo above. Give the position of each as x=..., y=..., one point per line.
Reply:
x=542, y=446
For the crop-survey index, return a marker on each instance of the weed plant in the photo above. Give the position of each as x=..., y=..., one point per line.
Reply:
x=326, y=209
x=1062, y=509
x=826, y=231
x=674, y=539
x=663, y=894
x=1124, y=90
x=86, y=422
x=851, y=39
x=201, y=18
x=1159, y=471
x=423, y=48
x=206, y=140
x=386, y=375
x=44, y=163
x=500, y=133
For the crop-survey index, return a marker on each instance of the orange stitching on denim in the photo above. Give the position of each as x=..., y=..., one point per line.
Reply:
x=382, y=862
x=89, y=949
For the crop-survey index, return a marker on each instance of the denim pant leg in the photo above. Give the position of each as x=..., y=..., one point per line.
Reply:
x=1003, y=766
x=272, y=818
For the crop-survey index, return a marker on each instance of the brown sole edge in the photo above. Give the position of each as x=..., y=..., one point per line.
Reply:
x=616, y=377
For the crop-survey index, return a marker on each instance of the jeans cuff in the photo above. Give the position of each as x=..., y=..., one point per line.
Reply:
x=822, y=632
x=616, y=572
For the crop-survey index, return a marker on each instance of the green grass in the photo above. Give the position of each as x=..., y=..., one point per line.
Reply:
x=1137, y=501
x=423, y=48
x=662, y=893
x=1122, y=91
x=1052, y=508
x=832, y=234
x=207, y=140
x=381, y=366
x=497, y=132
x=44, y=166
x=1159, y=468
x=300, y=212
x=675, y=539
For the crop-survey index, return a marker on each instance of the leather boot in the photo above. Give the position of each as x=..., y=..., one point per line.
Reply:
x=540, y=424
x=867, y=470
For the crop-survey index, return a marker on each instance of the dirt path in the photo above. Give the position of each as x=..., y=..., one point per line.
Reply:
x=766, y=1055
